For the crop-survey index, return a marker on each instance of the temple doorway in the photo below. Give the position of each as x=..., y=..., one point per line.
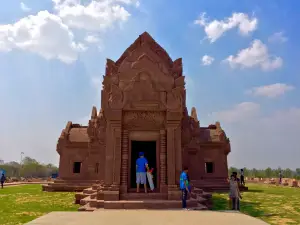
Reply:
x=149, y=149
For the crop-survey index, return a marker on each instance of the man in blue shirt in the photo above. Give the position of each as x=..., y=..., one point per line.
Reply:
x=141, y=167
x=184, y=186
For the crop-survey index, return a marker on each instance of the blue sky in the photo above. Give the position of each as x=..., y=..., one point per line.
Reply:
x=52, y=58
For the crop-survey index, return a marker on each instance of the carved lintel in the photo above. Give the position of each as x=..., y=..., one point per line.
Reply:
x=143, y=119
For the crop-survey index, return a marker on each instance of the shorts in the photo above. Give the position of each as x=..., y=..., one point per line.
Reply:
x=141, y=178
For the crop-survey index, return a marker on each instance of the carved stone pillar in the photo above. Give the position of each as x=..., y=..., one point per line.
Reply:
x=172, y=151
x=117, y=156
x=112, y=161
x=124, y=166
x=163, y=162
x=171, y=155
x=178, y=156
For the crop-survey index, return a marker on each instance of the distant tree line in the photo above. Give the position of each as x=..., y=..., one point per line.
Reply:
x=268, y=172
x=28, y=168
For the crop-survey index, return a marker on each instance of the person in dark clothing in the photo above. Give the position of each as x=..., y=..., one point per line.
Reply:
x=280, y=177
x=184, y=186
x=236, y=177
x=242, y=177
x=2, y=180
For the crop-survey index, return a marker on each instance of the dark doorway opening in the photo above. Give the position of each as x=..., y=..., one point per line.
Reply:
x=76, y=167
x=209, y=167
x=149, y=149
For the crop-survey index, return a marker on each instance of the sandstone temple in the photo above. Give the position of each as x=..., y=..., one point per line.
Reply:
x=143, y=108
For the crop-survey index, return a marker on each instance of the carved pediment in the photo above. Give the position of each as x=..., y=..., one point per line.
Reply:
x=146, y=40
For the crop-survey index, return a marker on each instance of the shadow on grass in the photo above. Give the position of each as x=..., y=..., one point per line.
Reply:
x=249, y=208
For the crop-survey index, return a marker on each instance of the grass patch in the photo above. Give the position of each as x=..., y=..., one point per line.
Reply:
x=273, y=204
x=21, y=204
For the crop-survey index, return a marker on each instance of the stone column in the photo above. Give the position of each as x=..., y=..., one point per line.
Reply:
x=172, y=151
x=171, y=155
x=178, y=152
x=112, y=162
x=163, y=162
x=117, y=156
x=124, y=166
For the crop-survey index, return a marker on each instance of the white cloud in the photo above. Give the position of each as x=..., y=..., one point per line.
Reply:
x=95, y=16
x=24, y=7
x=277, y=38
x=43, y=34
x=91, y=39
x=256, y=55
x=207, y=60
x=216, y=28
x=239, y=112
x=271, y=91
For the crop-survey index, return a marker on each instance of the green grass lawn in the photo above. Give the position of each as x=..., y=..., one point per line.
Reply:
x=21, y=204
x=273, y=204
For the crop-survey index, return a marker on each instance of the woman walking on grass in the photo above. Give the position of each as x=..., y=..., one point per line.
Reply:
x=234, y=193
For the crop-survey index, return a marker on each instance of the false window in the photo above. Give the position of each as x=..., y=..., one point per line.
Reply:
x=209, y=167
x=77, y=167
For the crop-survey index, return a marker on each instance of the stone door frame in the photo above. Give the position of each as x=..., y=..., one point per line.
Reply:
x=144, y=136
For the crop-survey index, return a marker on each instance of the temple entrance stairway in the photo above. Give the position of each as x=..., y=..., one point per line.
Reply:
x=90, y=200
x=68, y=185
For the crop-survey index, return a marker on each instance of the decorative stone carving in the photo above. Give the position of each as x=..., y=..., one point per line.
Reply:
x=194, y=114
x=125, y=154
x=111, y=68
x=148, y=119
x=174, y=99
x=143, y=90
x=115, y=97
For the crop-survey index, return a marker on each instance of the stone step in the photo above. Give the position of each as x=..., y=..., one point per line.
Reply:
x=143, y=196
x=197, y=190
x=89, y=191
x=95, y=186
x=148, y=204
x=79, y=196
x=86, y=208
x=94, y=195
x=59, y=181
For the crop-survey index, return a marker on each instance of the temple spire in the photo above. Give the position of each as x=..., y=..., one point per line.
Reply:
x=94, y=113
x=194, y=114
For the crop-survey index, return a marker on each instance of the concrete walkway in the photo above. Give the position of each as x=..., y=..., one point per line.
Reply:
x=146, y=217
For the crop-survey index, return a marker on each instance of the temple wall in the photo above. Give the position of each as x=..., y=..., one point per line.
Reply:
x=70, y=155
x=196, y=159
x=217, y=156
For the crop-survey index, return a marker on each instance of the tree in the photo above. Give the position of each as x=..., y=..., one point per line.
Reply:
x=268, y=172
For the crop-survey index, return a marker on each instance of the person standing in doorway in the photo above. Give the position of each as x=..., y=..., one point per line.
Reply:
x=242, y=177
x=141, y=168
x=184, y=186
x=2, y=180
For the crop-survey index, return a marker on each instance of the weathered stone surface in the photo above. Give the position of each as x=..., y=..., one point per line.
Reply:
x=143, y=99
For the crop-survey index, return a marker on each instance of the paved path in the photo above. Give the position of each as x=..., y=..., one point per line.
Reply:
x=146, y=217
